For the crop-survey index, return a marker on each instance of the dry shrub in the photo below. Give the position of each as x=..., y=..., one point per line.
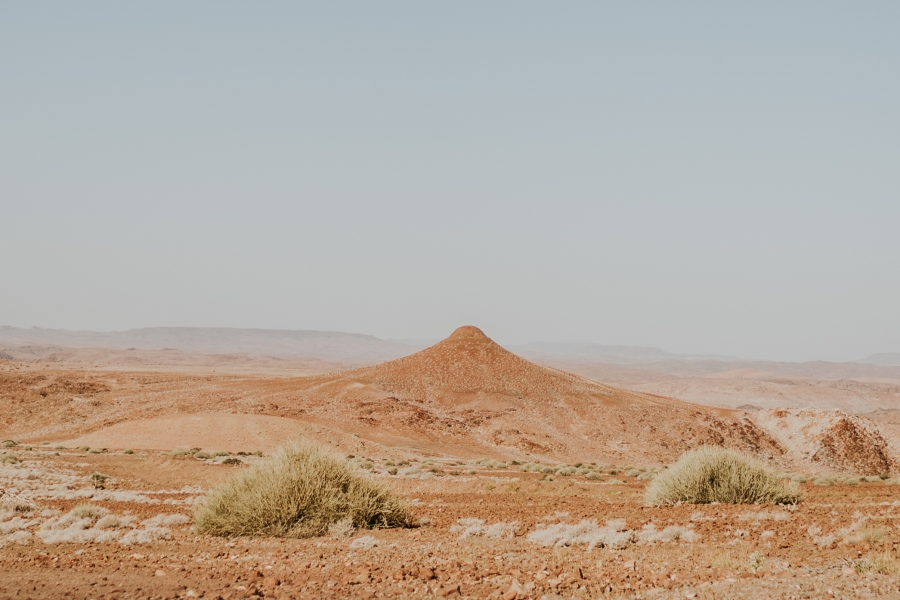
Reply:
x=614, y=535
x=871, y=535
x=476, y=528
x=712, y=474
x=298, y=492
x=883, y=564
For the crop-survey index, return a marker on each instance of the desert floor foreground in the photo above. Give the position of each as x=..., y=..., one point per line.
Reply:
x=841, y=541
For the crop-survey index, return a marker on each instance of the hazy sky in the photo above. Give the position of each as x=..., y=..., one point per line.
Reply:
x=703, y=177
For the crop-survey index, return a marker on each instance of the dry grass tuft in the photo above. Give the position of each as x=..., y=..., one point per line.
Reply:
x=883, y=564
x=712, y=474
x=476, y=528
x=871, y=535
x=299, y=492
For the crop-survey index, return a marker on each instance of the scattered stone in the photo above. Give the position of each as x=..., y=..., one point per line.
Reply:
x=515, y=591
x=448, y=590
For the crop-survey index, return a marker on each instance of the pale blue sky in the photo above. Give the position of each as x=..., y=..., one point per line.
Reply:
x=704, y=177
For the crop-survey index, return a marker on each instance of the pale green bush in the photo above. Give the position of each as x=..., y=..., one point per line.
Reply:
x=299, y=492
x=712, y=474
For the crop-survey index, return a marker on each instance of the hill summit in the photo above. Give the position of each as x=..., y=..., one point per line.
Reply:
x=469, y=362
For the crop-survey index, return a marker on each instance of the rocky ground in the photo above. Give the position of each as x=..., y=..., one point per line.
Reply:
x=488, y=529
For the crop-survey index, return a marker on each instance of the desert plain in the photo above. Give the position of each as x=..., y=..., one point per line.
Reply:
x=525, y=480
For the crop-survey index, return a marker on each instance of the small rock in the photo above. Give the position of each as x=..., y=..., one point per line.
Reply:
x=448, y=590
x=628, y=565
x=270, y=582
x=426, y=573
x=515, y=590
x=160, y=573
x=847, y=571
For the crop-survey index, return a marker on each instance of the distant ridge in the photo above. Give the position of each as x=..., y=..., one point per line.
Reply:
x=884, y=359
x=325, y=345
x=608, y=354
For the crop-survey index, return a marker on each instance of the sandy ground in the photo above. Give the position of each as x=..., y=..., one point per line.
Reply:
x=826, y=547
x=219, y=431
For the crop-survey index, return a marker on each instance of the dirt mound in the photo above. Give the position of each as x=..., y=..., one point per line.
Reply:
x=832, y=439
x=467, y=391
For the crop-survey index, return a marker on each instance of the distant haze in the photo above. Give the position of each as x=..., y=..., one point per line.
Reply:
x=355, y=348
x=703, y=178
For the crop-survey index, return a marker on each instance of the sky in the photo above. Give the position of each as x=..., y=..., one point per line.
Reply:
x=704, y=177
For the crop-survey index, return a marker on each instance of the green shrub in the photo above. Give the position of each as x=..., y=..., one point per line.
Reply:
x=9, y=444
x=202, y=455
x=98, y=480
x=593, y=476
x=8, y=458
x=129, y=451
x=84, y=448
x=712, y=474
x=298, y=492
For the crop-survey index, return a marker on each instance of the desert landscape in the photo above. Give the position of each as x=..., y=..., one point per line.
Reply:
x=522, y=480
x=509, y=300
